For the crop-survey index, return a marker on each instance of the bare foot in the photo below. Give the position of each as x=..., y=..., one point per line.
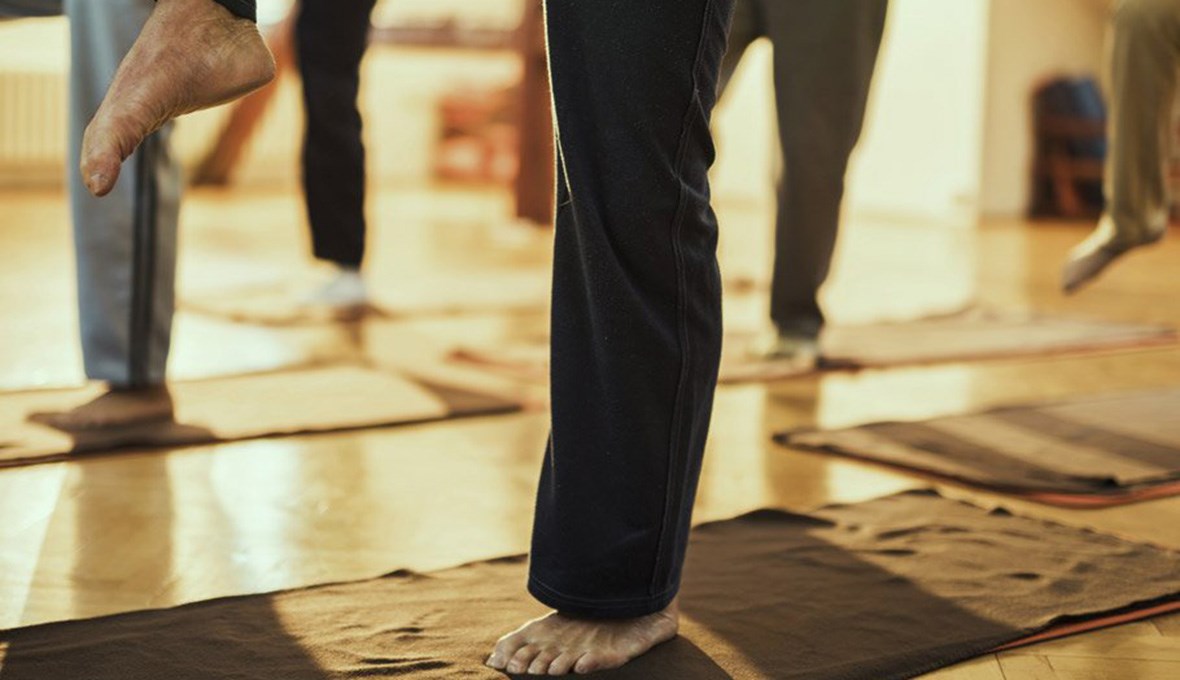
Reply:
x=191, y=55
x=558, y=644
x=117, y=408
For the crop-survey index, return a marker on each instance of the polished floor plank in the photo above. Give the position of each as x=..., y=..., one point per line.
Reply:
x=1066, y=668
x=1027, y=668
x=987, y=668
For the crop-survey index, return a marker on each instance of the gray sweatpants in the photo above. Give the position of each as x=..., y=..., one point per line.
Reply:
x=125, y=243
x=825, y=52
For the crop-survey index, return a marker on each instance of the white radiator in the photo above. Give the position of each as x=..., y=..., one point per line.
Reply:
x=32, y=128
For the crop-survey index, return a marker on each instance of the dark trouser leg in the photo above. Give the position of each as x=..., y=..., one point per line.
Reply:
x=746, y=27
x=824, y=55
x=636, y=300
x=331, y=37
x=247, y=9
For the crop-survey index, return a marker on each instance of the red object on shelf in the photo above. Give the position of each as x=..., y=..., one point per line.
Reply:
x=479, y=138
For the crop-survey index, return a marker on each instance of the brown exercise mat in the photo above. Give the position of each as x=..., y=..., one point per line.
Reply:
x=1087, y=452
x=296, y=401
x=964, y=336
x=891, y=588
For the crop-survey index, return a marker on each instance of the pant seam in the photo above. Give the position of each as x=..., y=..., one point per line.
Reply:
x=142, y=266
x=672, y=492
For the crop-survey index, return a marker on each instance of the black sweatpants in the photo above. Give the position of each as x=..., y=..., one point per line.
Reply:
x=636, y=299
x=330, y=41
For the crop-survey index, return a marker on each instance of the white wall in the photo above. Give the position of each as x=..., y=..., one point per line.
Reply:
x=1029, y=41
x=33, y=58
x=922, y=146
x=920, y=155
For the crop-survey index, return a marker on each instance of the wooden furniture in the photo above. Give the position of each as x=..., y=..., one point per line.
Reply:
x=217, y=166
x=534, y=181
x=533, y=187
x=1068, y=163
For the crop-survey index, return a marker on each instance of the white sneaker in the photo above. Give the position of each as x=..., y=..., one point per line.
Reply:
x=345, y=294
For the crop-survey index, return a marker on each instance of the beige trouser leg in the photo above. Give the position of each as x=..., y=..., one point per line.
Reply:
x=1143, y=53
x=1144, y=49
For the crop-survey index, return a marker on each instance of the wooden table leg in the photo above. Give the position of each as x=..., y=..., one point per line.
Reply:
x=218, y=164
x=534, y=182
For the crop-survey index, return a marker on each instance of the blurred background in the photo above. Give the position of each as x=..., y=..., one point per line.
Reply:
x=979, y=167
x=456, y=128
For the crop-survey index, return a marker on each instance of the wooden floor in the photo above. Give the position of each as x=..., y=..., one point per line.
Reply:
x=156, y=529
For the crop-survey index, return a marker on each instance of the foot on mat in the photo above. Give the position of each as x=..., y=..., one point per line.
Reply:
x=116, y=409
x=558, y=644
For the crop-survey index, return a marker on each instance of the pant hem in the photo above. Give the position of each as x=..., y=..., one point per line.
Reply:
x=802, y=328
x=601, y=609
x=349, y=262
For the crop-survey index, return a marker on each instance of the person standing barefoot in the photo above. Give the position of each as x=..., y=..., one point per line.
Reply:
x=637, y=295
x=125, y=244
x=636, y=327
x=126, y=333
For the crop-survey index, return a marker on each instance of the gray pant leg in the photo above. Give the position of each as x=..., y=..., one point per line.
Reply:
x=824, y=55
x=1144, y=50
x=125, y=243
